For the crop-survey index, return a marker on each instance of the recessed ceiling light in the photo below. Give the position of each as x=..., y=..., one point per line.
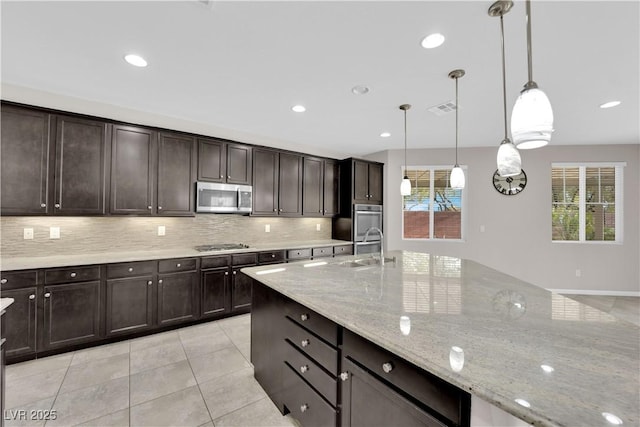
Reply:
x=385, y=134
x=360, y=90
x=432, y=40
x=135, y=60
x=299, y=108
x=610, y=104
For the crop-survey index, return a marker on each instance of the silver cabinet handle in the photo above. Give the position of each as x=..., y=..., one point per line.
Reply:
x=159, y=208
x=304, y=368
x=73, y=274
x=150, y=283
x=305, y=343
x=149, y=207
x=47, y=295
x=274, y=209
x=273, y=255
x=226, y=273
x=32, y=296
x=57, y=205
x=320, y=211
x=304, y=408
x=228, y=176
x=304, y=317
x=3, y=281
x=221, y=176
x=344, y=376
x=280, y=209
x=130, y=269
x=387, y=367
x=43, y=205
x=160, y=281
x=178, y=265
x=235, y=272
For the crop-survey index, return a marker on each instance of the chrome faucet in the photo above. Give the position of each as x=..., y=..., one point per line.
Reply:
x=366, y=235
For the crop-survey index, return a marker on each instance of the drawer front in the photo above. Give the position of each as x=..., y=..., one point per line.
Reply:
x=271, y=257
x=130, y=269
x=177, y=265
x=311, y=320
x=313, y=373
x=305, y=404
x=244, y=259
x=214, y=261
x=17, y=279
x=312, y=346
x=299, y=253
x=343, y=250
x=437, y=394
x=322, y=252
x=71, y=274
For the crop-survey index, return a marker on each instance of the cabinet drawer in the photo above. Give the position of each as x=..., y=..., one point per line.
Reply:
x=343, y=250
x=244, y=259
x=17, y=279
x=176, y=265
x=71, y=274
x=435, y=393
x=130, y=269
x=312, y=346
x=305, y=404
x=323, y=251
x=311, y=320
x=313, y=373
x=214, y=261
x=270, y=257
x=299, y=253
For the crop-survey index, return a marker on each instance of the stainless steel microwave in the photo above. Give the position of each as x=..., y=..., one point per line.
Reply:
x=223, y=198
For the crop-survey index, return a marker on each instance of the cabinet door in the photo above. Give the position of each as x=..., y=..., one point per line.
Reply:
x=212, y=164
x=81, y=154
x=129, y=305
x=177, y=295
x=290, y=185
x=360, y=181
x=71, y=314
x=240, y=291
x=20, y=322
x=176, y=175
x=312, y=193
x=24, y=160
x=265, y=182
x=239, y=164
x=375, y=183
x=331, y=188
x=132, y=170
x=215, y=295
x=366, y=401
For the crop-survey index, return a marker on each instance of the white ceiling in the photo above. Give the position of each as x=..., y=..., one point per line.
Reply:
x=240, y=66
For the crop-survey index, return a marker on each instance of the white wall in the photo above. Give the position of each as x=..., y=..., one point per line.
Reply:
x=517, y=236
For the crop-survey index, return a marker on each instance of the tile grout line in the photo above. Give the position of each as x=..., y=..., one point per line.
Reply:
x=196, y=380
x=55, y=398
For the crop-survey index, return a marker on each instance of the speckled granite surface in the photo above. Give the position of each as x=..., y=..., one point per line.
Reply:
x=25, y=263
x=499, y=338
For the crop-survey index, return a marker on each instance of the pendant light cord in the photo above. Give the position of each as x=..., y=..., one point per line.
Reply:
x=405, y=142
x=529, y=54
x=504, y=78
x=456, y=122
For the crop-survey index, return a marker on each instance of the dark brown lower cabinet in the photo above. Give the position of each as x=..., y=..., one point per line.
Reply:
x=305, y=405
x=215, y=292
x=177, y=297
x=240, y=291
x=19, y=322
x=71, y=314
x=129, y=305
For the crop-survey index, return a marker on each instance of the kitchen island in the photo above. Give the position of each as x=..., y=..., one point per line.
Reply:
x=541, y=357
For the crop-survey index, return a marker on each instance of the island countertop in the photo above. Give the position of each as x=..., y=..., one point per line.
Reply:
x=544, y=358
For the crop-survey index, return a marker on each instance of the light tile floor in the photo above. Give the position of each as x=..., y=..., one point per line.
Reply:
x=623, y=308
x=194, y=376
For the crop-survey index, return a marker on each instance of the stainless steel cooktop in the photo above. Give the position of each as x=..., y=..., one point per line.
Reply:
x=221, y=247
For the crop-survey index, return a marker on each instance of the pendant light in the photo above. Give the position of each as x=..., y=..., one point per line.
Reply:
x=532, y=116
x=509, y=161
x=456, y=179
x=405, y=187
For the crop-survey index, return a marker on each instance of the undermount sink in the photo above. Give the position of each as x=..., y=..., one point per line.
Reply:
x=363, y=262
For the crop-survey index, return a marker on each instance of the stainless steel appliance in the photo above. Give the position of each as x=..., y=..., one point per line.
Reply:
x=223, y=198
x=364, y=218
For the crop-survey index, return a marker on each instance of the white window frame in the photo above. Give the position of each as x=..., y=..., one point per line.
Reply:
x=463, y=203
x=582, y=208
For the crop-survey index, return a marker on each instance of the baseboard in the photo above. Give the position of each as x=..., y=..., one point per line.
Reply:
x=601, y=293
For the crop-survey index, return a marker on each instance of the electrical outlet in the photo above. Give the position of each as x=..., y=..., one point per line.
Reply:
x=28, y=233
x=317, y=227
x=267, y=228
x=54, y=232
x=162, y=230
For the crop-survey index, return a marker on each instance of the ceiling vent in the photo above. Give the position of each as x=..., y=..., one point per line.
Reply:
x=206, y=3
x=444, y=108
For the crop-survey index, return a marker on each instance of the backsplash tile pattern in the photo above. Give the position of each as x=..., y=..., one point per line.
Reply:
x=100, y=234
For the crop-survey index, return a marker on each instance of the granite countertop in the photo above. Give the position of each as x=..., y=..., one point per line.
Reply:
x=26, y=263
x=5, y=302
x=544, y=358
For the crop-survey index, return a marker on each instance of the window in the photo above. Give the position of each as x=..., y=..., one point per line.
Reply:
x=586, y=202
x=434, y=209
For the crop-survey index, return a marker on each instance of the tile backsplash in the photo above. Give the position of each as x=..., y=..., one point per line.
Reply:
x=99, y=234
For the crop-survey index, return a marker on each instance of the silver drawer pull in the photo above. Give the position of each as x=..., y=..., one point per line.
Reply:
x=3, y=281
x=304, y=368
x=304, y=317
x=43, y=205
x=73, y=274
x=149, y=207
x=159, y=208
x=273, y=255
x=130, y=269
x=305, y=343
x=178, y=265
x=32, y=296
x=160, y=281
x=221, y=176
x=387, y=367
x=226, y=273
x=57, y=205
x=47, y=295
x=344, y=376
x=235, y=272
x=304, y=408
x=149, y=283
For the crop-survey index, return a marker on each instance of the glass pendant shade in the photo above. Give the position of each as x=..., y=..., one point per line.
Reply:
x=456, y=178
x=405, y=186
x=509, y=161
x=531, y=119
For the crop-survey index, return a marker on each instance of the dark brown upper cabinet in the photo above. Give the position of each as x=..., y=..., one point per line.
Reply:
x=221, y=161
x=176, y=175
x=277, y=183
x=362, y=183
x=320, y=187
x=52, y=164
